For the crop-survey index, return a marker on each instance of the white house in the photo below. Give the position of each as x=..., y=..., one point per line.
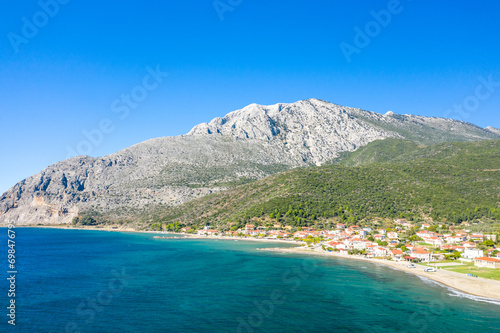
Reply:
x=472, y=253
x=379, y=251
x=421, y=254
x=397, y=254
x=392, y=235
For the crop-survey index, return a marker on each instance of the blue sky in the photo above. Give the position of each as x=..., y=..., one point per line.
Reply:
x=71, y=71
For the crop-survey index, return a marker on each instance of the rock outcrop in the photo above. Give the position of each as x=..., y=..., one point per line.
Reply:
x=246, y=144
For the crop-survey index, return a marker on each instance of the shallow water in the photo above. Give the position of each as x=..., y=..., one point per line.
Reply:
x=95, y=281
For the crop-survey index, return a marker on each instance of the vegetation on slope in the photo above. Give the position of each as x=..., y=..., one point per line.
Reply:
x=450, y=182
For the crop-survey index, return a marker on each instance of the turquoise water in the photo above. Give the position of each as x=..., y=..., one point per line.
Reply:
x=95, y=281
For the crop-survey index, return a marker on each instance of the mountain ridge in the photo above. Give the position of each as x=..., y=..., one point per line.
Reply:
x=244, y=145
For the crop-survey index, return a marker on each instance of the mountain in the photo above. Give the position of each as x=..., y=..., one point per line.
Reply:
x=449, y=182
x=493, y=130
x=245, y=145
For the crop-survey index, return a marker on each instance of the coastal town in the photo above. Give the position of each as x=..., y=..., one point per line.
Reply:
x=425, y=245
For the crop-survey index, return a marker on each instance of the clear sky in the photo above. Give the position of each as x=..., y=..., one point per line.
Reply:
x=72, y=66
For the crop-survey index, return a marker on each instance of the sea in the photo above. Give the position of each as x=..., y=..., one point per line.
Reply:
x=99, y=281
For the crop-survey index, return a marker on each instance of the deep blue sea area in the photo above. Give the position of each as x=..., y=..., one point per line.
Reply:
x=98, y=281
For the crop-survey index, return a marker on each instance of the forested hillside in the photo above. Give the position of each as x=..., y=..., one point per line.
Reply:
x=450, y=182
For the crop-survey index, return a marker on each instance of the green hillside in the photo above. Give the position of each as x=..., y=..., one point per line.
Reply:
x=449, y=182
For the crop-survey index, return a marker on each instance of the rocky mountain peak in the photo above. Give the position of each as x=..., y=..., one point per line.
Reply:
x=250, y=143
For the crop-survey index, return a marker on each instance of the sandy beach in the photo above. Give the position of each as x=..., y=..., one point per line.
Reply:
x=251, y=239
x=475, y=286
x=165, y=233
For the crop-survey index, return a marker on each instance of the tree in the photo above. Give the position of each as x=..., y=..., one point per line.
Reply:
x=454, y=255
x=488, y=243
x=88, y=221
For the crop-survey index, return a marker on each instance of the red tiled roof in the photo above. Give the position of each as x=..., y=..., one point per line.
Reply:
x=488, y=259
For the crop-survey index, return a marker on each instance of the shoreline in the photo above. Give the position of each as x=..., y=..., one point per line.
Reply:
x=251, y=239
x=479, y=287
x=191, y=236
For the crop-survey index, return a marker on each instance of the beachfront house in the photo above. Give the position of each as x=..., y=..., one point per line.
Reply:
x=249, y=227
x=487, y=262
x=379, y=251
x=396, y=254
x=421, y=254
x=337, y=245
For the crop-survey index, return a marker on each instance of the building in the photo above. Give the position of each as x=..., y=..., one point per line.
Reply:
x=422, y=255
x=435, y=241
x=491, y=237
x=472, y=253
x=477, y=237
x=397, y=254
x=392, y=235
x=487, y=262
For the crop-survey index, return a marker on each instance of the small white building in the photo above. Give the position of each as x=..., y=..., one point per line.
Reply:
x=421, y=254
x=472, y=253
x=487, y=262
